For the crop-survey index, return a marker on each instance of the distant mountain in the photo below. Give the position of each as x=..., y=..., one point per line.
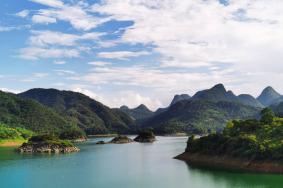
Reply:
x=29, y=114
x=199, y=116
x=216, y=93
x=138, y=113
x=207, y=110
x=269, y=96
x=278, y=109
x=181, y=97
x=249, y=100
x=90, y=115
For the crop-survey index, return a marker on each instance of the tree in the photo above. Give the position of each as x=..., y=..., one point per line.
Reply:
x=267, y=116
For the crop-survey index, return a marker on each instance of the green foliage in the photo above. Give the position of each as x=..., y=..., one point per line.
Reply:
x=14, y=133
x=250, y=139
x=90, y=115
x=267, y=116
x=72, y=134
x=49, y=139
x=31, y=115
x=199, y=116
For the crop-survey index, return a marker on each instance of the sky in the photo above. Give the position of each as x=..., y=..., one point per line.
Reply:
x=141, y=51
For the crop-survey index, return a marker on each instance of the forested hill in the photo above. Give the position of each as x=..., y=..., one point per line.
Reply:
x=29, y=114
x=90, y=115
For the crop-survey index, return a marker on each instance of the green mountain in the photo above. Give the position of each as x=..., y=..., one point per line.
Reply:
x=269, y=96
x=178, y=98
x=216, y=93
x=199, y=116
x=138, y=113
x=206, y=111
x=31, y=115
x=253, y=145
x=90, y=115
x=249, y=100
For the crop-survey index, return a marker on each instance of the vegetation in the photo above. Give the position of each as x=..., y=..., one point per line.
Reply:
x=88, y=114
x=199, y=116
x=139, y=113
x=49, y=139
x=250, y=139
x=16, y=112
x=14, y=133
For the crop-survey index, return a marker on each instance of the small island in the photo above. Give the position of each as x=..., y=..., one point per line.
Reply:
x=245, y=145
x=47, y=144
x=145, y=136
x=120, y=139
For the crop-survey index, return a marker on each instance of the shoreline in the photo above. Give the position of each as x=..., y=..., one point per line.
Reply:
x=231, y=164
x=11, y=143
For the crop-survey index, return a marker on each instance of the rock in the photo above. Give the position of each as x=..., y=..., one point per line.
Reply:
x=145, y=136
x=121, y=140
x=47, y=144
x=46, y=148
x=100, y=142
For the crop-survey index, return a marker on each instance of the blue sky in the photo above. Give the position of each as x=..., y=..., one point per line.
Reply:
x=140, y=51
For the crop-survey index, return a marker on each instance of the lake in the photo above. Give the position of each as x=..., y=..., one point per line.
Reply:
x=134, y=165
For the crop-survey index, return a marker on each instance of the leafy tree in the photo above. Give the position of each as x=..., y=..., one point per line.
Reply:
x=267, y=116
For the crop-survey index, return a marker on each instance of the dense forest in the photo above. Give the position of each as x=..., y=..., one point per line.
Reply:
x=248, y=139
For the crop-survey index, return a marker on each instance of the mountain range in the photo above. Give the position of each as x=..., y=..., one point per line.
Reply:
x=55, y=111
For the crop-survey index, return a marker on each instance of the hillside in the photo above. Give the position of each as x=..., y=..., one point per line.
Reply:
x=199, y=116
x=31, y=115
x=206, y=111
x=269, y=96
x=253, y=145
x=178, y=98
x=138, y=113
x=90, y=115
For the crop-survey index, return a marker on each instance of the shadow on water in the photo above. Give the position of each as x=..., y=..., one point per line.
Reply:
x=232, y=179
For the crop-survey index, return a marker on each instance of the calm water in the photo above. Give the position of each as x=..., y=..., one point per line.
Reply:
x=123, y=166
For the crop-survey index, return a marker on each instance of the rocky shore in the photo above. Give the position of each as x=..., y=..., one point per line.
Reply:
x=229, y=163
x=145, y=136
x=46, y=148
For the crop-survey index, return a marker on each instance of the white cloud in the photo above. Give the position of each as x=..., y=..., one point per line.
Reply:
x=10, y=90
x=40, y=19
x=62, y=72
x=122, y=55
x=23, y=13
x=34, y=53
x=76, y=14
x=40, y=75
x=44, y=38
x=99, y=63
x=4, y=28
x=51, y=3
x=59, y=62
x=130, y=98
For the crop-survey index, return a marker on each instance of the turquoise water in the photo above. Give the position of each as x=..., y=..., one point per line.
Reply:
x=132, y=165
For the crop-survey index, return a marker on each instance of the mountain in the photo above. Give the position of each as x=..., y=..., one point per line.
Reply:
x=90, y=115
x=181, y=97
x=249, y=100
x=269, y=96
x=199, y=116
x=31, y=115
x=138, y=113
x=216, y=93
x=278, y=109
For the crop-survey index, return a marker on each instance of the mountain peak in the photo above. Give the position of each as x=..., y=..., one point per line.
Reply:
x=268, y=96
x=219, y=87
x=180, y=97
x=142, y=106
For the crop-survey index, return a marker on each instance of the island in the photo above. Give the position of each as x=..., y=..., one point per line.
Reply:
x=120, y=139
x=47, y=144
x=145, y=136
x=245, y=145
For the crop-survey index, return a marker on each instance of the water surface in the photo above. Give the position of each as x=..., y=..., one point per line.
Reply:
x=132, y=165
